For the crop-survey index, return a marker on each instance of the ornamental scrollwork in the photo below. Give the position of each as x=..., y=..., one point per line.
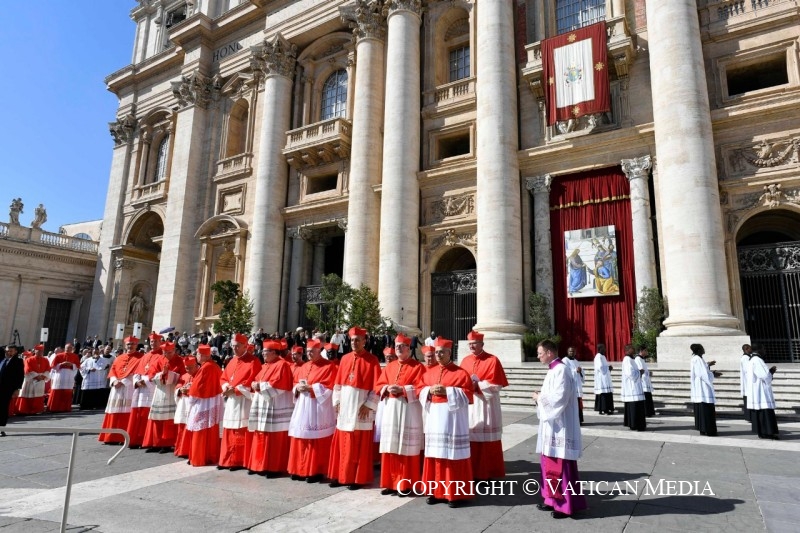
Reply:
x=194, y=89
x=278, y=57
x=448, y=282
x=367, y=19
x=121, y=130
x=451, y=206
x=772, y=258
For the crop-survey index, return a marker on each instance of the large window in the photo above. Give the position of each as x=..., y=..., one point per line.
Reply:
x=161, y=160
x=574, y=14
x=459, y=63
x=334, y=95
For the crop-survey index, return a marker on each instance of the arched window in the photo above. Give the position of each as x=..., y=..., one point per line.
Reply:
x=161, y=160
x=334, y=95
x=574, y=14
x=456, y=40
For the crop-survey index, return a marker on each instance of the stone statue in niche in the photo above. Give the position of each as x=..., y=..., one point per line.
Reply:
x=15, y=210
x=39, y=217
x=138, y=307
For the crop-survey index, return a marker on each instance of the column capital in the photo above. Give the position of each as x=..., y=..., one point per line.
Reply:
x=122, y=129
x=194, y=89
x=278, y=57
x=342, y=223
x=367, y=18
x=298, y=232
x=539, y=184
x=637, y=167
x=412, y=6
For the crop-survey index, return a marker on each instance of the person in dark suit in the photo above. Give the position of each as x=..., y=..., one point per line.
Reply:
x=11, y=376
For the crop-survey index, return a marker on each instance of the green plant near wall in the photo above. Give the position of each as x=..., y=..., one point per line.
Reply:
x=648, y=320
x=540, y=326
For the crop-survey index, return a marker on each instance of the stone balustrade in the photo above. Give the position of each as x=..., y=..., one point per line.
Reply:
x=321, y=142
x=450, y=92
x=149, y=192
x=234, y=167
x=46, y=238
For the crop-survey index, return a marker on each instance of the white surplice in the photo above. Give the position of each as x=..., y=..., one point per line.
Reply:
x=163, y=406
x=120, y=399
x=401, y=423
x=577, y=378
x=761, y=396
x=313, y=416
x=95, y=372
x=447, y=425
x=632, y=390
x=237, y=407
x=557, y=409
x=745, y=380
x=350, y=399
x=641, y=364
x=271, y=409
x=63, y=379
x=702, y=381
x=602, y=375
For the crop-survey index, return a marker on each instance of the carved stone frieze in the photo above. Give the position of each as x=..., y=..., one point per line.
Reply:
x=278, y=57
x=122, y=129
x=447, y=282
x=450, y=206
x=298, y=232
x=194, y=89
x=451, y=237
x=367, y=18
x=637, y=167
x=764, y=155
x=781, y=257
x=539, y=184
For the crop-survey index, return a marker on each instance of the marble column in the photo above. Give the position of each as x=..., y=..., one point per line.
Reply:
x=266, y=249
x=691, y=219
x=362, y=245
x=644, y=256
x=318, y=261
x=398, y=283
x=499, y=261
x=298, y=235
x=539, y=188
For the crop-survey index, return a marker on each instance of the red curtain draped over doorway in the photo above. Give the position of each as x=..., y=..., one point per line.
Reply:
x=581, y=201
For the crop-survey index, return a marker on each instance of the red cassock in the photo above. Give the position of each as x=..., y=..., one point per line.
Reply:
x=396, y=467
x=236, y=441
x=307, y=456
x=123, y=367
x=269, y=450
x=205, y=389
x=448, y=470
x=183, y=443
x=60, y=400
x=32, y=405
x=142, y=399
x=162, y=433
x=352, y=450
x=486, y=452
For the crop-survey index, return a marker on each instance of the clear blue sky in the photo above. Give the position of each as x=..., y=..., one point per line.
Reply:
x=54, y=144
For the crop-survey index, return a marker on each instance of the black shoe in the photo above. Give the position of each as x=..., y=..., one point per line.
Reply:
x=387, y=492
x=166, y=449
x=236, y=468
x=430, y=500
x=313, y=479
x=134, y=447
x=453, y=504
x=559, y=515
x=295, y=477
x=152, y=450
x=2, y=433
x=544, y=507
x=335, y=484
x=220, y=467
x=354, y=486
x=189, y=463
x=271, y=475
x=252, y=473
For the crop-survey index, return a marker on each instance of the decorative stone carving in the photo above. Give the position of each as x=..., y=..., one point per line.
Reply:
x=342, y=223
x=278, y=57
x=138, y=307
x=223, y=227
x=773, y=196
x=121, y=263
x=454, y=282
x=194, y=89
x=452, y=238
x=539, y=184
x=463, y=204
x=39, y=217
x=414, y=6
x=298, y=232
x=14, y=211
x=122, y=129
x=367, y=18
x=637, y=168
x=763, y=155
x=769, y=258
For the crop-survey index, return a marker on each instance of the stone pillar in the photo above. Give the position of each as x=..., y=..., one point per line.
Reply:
x=644, y=256
x=122, y=131
x=298, y=235
x=362, y=245
x=615, y=8
x=691, y=229
x=265, y=253
x=398, y=284
x=308, y=81
x=539, y=187
x=318, y=262
x=499, y=261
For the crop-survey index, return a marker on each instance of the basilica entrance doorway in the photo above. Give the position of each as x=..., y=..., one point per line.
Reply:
x=768, y=249
x=454, y=304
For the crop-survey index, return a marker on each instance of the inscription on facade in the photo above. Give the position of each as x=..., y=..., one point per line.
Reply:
x=225, y=51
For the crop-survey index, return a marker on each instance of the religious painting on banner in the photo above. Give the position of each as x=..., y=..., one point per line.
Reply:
x=575, y=70
x=591, y=262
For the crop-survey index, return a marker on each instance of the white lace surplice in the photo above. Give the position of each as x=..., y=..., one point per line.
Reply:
x=401, y=424
x=447, y=425
x=559, y=426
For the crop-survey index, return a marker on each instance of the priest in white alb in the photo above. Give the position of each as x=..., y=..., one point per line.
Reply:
x=559, y=439
x=761, y=401
x=603, y=386
x=702, y=392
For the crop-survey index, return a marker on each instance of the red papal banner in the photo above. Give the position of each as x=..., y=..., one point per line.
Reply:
x=576, y=73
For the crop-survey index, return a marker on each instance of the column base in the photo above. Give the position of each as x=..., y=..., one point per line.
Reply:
x=726, y=350
x=705, y=325
x=509, y=351
x=409, y=331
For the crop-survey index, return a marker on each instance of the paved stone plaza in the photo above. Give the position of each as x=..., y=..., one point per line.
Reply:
x=756, y=486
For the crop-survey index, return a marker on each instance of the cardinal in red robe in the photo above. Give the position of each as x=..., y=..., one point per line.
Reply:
x=205, y=410
x=120, y=378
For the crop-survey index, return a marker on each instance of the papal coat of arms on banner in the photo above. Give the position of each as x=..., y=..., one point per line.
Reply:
x=575, y=70
x=592, y=268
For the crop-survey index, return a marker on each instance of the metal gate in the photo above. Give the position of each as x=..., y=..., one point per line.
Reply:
x=454, y=304
x=56, y=320
x=770, y=278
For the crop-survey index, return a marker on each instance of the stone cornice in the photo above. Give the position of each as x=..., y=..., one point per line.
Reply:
x=36, y=252
x=144, y=71
x=367, y=18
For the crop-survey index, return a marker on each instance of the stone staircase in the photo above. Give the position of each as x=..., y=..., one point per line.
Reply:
x=671, y=390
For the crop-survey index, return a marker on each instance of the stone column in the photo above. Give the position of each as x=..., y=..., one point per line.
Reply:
x=499, y=261
x=398, y=284
x=265, y=253
x=644, y=256
x=318, y=262
x=539, y=187
x=615, y=8
x=362, y=245
x=298, y=235
x=691, y=230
